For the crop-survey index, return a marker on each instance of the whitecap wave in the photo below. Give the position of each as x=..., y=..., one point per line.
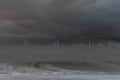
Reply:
x=46, y=70
x=49, y=72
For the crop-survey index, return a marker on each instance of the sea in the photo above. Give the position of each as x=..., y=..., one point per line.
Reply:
x=49, y=72
x=61, y=63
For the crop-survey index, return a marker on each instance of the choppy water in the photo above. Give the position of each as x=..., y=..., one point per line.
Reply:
x=48, y=72
x=87, y=63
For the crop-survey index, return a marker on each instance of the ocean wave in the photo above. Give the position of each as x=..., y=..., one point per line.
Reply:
x=46, y=69
x=51, y=72
x=103, y=66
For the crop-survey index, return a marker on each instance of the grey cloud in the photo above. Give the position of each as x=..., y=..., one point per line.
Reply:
x=60, y=19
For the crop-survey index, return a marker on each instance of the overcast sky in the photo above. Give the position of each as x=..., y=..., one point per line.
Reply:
x=60, y=19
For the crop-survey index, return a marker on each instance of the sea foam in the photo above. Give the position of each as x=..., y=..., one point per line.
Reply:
x=14, y=72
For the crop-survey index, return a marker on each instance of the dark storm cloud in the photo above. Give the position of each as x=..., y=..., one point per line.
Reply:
x=60, y=19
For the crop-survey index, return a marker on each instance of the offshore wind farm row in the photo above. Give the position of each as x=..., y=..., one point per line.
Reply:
x=57, y=43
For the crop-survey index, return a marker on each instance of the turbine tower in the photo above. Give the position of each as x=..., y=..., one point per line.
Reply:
x=27, y=43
